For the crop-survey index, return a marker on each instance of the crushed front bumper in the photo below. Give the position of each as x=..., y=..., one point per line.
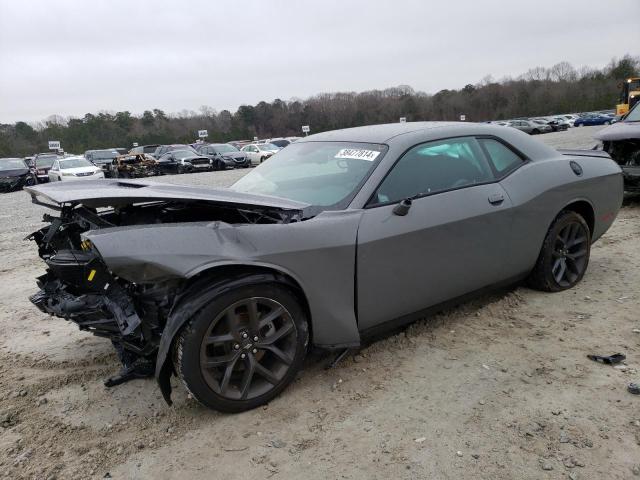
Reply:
x=79, y=288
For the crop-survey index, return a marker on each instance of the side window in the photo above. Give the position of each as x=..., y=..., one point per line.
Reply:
x=502, y=157
x=435, y=167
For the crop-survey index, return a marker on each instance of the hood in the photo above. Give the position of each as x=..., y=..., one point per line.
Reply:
x=114, y=192
x=18, y=172
x=619, y=131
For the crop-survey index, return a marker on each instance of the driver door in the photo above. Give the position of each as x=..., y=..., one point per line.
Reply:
x=451, y=241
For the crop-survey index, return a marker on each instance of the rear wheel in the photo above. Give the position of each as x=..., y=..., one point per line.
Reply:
x=243, y=348
x=607, y=123
x=535, y=131
x=564, y=257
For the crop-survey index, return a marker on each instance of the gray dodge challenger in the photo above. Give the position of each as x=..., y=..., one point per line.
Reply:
x=334, y=239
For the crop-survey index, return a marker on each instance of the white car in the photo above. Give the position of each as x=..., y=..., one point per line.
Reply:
x=74, y=168
x=258, y=153
x=570, y=118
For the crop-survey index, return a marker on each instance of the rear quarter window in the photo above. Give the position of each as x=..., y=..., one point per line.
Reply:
x=501, y=157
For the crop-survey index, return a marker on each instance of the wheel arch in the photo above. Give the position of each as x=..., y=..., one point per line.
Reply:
x=585, y=209
x=215, y=280
x=223, y=272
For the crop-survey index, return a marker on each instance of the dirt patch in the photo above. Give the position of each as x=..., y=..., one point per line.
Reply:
x=498, y=388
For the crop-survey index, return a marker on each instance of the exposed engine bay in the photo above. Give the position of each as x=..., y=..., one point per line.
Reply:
x=78, y=285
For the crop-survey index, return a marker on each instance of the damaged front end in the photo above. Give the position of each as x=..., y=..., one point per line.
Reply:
x=79, y=287
x=622, y=142
x=82, y=286
x=626, y=153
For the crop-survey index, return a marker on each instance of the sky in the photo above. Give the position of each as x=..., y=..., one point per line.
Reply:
x=70, y=57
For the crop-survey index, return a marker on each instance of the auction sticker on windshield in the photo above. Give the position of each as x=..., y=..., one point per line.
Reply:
x=357, y=154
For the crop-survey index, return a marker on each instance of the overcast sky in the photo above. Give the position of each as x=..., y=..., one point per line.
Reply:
x=73, y=57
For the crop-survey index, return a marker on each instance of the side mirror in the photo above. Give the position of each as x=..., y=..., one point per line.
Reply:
x=402, y=208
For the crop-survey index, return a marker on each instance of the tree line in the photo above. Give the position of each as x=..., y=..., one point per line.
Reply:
x=540, y=91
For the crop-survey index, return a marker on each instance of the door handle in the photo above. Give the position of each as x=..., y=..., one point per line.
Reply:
x=496, y=198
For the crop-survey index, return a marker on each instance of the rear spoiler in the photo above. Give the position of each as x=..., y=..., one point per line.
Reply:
x=584, y=153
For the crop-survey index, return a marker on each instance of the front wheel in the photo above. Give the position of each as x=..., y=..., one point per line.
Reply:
x=607, y=123
x=243, y=348
x=565, y=252
x=535, y=131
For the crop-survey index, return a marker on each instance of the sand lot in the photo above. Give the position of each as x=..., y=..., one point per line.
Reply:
x=498, y=388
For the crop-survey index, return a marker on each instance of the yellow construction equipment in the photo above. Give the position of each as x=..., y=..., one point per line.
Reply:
x=629, y=95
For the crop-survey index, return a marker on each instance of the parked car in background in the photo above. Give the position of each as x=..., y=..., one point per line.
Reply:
x=563, y=123
x=337, y=238
x=593, y=119
x=542, y=125
x=74, y=168
x=150, y=149
x=135, y=165
x=525, y=126
x=224, y=155
x=622, y=142
x=102, y=158
x=162, y=149
x=239, y=143
x=556, y=125
x=570, y=118
x=42, y=164
x=279, y=142
x=258, y=153
x=15, y=174
x=184, y=161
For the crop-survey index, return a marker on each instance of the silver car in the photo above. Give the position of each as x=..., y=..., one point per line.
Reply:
x=338, y=237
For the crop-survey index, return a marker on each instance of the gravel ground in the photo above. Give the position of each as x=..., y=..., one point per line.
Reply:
x=498, y=388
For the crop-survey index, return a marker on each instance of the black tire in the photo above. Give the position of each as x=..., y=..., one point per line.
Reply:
x=262, y=159
x=564, y=256
x=237, y=357
x=607, y=123
x=29, y=182
x=535, y=131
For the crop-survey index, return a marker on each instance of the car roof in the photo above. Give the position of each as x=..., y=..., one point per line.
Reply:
x=386, y=132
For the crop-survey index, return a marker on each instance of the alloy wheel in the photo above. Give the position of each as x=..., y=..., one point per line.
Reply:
x=569, y=258
x=248, y=348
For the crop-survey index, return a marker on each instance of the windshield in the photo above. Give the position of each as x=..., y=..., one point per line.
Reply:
x=280, y=143
x=45, y=161
x=74, y=163
x=224, y=148
x=12, y=164
x=323, y=174
x=180, y=154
